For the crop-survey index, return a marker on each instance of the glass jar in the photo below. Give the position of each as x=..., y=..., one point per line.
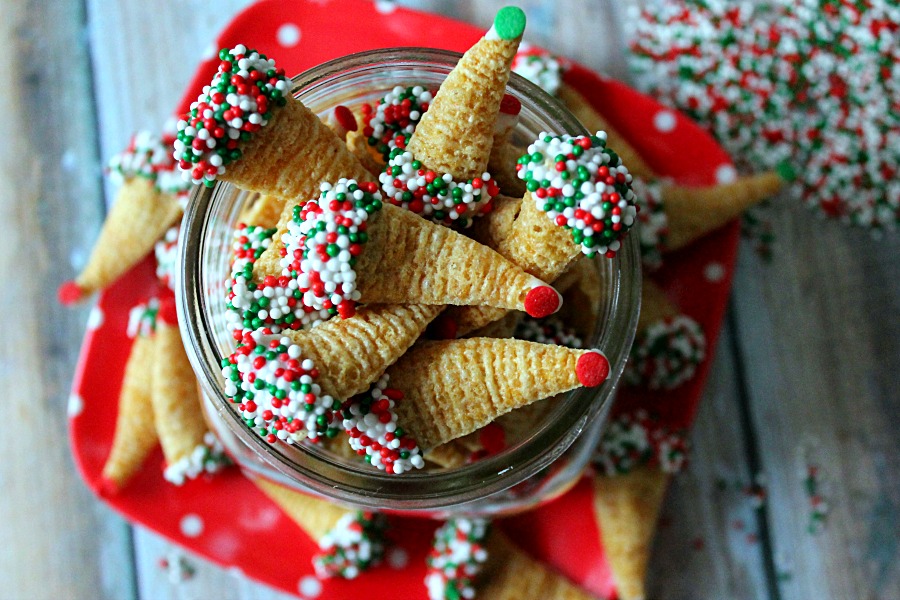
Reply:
x=537, y=468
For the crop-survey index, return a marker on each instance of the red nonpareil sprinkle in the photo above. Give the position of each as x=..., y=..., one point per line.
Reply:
x=542, y=301
x=510, y=105
x=592, y=368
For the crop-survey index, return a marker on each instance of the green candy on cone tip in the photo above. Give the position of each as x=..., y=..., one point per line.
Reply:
x=509, y=22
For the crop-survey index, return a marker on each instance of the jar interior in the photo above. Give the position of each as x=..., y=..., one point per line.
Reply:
x=210, y=222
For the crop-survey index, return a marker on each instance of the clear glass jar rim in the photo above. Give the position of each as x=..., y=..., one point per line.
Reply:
x=416, y=490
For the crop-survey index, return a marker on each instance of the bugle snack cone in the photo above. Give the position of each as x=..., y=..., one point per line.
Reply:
x=627, y=509
x=456, y=133
x=510, y=574
x=135, y=434
x=189, y=447
x=451, y=388
x=694, y=212
x=348, y=247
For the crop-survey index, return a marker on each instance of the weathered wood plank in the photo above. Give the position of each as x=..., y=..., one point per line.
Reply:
x=138, y=81
x=820, y=336
x=706, y=545
x=57, y=541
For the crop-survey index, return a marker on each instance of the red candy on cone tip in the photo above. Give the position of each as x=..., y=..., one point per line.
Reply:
x=542, y=301
x=592, y=368
x=69, y=293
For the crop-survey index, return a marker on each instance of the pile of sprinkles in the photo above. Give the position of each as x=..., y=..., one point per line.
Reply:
x=273, y=304
x=150, y=156
x=666, y=353
x=436, y=196
x=208, y=457
x=142, y=319
x=321, y=245
x=547, y=331
x=635, y=439
x=583, y=186
x=237, y=103
x=390, y=123
x=653, y=224
x=352, y=546
x=810, y=88
x=539, y=67
x=276, y=391
x=371, y=424
x=456, y=558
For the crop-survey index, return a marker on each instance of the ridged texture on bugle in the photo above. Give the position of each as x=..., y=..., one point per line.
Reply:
x=497, y=224
x=594, y=122
x=135, y=434
x=533, y=242
x=694, y=212
x=292, y=155
x=510, y=574
x=263, y=211
x=359, y=146
x=456, y=133
x=454, y=387
x=176, y=405
x=352, y=353
x=314, y=516
x=290, y=158
x=627, y=508
x=139, y=217
x=655, y=305
x=411, y=260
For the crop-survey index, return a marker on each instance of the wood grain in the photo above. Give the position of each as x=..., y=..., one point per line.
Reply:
x=50, y=210
x=820, y=340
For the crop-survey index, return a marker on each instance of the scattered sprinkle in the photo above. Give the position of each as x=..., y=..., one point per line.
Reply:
x=666, y=353
x=635, y=439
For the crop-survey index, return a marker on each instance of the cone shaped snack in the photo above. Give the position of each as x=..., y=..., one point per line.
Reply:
x=189, y=447
x=256, y=135
x=148, y=202
x=668, y=347
x=348, y=247
x=135, y=433
x=263, y=211
x=456, y=134
x=283, y=394
x=510, y=574
x=350, y=541
x=579, y=202
x=692, y=212
x=627, y=508
x=634, y=460
x=451, y=388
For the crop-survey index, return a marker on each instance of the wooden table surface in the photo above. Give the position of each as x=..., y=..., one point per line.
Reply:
x=808, y=369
